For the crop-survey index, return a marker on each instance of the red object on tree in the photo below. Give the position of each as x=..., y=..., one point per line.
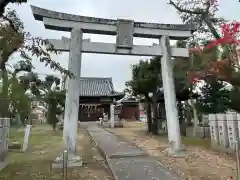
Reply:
x=229, y=37
x=193, y=77
x=196, y=50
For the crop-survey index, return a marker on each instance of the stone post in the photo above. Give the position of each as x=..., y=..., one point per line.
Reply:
x=72, y=94
x=112, y=113
x=170, y=96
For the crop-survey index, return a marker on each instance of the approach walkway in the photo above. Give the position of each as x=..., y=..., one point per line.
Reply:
x=126, y=161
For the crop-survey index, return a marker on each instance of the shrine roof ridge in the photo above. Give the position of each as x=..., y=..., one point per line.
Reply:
x=97, y=86
x=96, y=78
x=40, y=13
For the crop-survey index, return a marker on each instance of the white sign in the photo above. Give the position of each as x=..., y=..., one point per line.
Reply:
x=26, y=137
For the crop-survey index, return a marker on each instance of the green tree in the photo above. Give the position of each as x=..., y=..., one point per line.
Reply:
x=4, y=3
x=55, y=100
x=19, y=101
x=52, y=96
x=146, y=78
x=15, y=39
x=215, y=98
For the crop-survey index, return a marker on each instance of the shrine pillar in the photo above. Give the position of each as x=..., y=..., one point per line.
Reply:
x=72, y=92
x=112, y=113
x=170, y=96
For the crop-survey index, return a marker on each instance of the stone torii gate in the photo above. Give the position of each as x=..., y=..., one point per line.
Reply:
x=124, y=30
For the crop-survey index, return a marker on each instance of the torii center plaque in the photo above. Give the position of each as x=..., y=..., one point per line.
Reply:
x=125, y=34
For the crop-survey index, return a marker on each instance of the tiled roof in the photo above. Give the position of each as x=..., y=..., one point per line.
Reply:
x=92, y=86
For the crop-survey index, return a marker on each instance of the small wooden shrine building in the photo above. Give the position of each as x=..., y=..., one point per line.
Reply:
x=96, y=96
x=129, y=109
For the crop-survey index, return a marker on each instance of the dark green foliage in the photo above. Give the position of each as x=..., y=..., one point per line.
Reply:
x=235, y=100
x=56, y=102
x=146, y=77
x=215, y=99
x=14, y=38
x=18, y=100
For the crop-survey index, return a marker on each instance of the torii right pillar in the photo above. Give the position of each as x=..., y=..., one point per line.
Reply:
x=174, y=135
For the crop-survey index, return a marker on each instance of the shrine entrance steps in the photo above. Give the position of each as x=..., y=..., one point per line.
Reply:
x=126, y=161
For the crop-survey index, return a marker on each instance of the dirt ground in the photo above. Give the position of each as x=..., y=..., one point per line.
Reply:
x=44, y=146
x=201, y=163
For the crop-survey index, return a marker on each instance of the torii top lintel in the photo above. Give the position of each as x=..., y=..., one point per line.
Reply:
x=65, y=22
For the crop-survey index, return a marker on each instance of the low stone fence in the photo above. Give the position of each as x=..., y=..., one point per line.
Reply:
x=4, y=134
x=200, y=131
x=224, y=130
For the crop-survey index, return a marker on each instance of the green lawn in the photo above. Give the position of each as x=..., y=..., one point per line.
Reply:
x=44, y=146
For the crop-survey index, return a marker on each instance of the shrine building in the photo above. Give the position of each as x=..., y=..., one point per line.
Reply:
x=96, y=97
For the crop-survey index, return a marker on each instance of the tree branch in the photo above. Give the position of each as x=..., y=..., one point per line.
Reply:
x=4, y=3
x=211, y=27
x=208, y=3
x=204, y=16
x=199, y=11
x=10, y=23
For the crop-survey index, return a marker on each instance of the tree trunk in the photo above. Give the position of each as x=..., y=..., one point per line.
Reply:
x=155, y=119
x=160, y=120
x=182, y=122
x=206, y=19
x=54, y=126
x=195, y=116
x=149, y=117
x=4, y=92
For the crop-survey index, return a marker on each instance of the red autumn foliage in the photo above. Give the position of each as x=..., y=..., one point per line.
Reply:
x=229, y=37
x=193, y=77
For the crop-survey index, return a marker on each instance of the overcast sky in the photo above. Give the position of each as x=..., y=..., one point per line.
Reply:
x=95, y=65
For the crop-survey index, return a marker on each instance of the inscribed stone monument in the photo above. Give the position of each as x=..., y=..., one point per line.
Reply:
x=4, y=135
x=222, y=130
x=213, y=129
x=26, y=138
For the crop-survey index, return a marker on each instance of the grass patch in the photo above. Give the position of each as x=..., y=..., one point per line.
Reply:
x=137, y=127
x=206, y=143
x=44, y=146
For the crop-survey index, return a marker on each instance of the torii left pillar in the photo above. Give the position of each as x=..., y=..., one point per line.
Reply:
x=70, y=128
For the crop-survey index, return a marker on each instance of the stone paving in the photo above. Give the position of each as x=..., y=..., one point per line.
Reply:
x=126, y=161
